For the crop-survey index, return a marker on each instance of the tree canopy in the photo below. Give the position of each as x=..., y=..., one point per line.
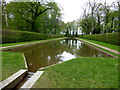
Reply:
x=43, y=16
x=102, y=18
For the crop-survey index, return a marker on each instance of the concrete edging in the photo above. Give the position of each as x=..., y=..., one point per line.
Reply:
x=87, y=42
x=13, y=80
x=32, y=80
x=30, y=43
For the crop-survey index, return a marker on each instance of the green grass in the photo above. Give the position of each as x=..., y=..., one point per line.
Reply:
x=0, y=66
x=27, y=43
x=111, y=46
x=11, y=63
x=9, y=44
x=84, y=72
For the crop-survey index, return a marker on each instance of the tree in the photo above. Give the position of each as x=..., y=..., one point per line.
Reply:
x=93, y=9
x=55, y=17
x=4, y=15
x=102, y=18
x=30, y=11
x=35, y=16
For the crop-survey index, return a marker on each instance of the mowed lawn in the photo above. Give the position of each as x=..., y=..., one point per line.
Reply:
x=11, y=63
x=83, y=72
x=111, y=46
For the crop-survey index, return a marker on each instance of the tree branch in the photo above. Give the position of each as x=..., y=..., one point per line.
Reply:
x=23, y=17
x=41, y=12
x=29, y=9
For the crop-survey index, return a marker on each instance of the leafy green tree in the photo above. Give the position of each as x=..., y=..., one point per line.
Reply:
x=42, y=17
x=102, y=18
x=29, y=11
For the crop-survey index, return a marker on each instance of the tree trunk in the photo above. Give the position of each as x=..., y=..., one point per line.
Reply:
x=119, y=16
x=98, y=25
x=5, y=14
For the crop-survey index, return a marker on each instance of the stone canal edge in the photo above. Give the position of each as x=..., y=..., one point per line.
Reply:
x=111, y=50
x=12, y=46
x=32, y=80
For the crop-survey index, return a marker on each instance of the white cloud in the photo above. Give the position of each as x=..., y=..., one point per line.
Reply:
x=72, y=9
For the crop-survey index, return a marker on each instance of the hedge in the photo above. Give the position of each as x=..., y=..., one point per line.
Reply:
x=112, y=38
x=13, y=36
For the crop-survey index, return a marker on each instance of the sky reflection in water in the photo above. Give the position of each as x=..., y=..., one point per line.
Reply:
x=42, y=55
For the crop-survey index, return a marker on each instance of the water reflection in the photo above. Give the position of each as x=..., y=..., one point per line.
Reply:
x=66, y=56
x=42, y=55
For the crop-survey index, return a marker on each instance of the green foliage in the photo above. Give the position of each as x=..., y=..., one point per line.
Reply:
x=102, y=18
x=12, y=36
x=86, y=25
x=111, y=38
x=34, y=16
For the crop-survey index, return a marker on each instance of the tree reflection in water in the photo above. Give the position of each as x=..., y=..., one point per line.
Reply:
x=42, y=55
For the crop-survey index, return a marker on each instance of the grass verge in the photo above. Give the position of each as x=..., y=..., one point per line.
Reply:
x=26, y=43
x=111, y=46
x=84, y=72
x=9, y=44
x=11, y=63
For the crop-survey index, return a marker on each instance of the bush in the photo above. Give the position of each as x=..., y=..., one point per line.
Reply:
x=111, y=38
x=13, y=36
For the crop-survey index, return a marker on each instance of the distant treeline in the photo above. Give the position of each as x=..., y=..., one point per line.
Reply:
x=97, y=18
x=100, y=18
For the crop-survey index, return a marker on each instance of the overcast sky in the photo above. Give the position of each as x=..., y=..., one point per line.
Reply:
x=73, y=9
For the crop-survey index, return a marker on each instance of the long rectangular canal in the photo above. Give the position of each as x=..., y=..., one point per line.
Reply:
x=49, y=53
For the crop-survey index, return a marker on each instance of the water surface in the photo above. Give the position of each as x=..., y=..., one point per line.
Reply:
x=42, y=55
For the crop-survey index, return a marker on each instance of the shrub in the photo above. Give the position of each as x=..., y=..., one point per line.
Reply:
x=13, y=36
x=111, y=38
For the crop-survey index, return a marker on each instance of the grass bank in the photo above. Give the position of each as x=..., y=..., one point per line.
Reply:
x=12, y=45
x=111, y=46
x=11, y=63
x=9, y=44
x=84, y=72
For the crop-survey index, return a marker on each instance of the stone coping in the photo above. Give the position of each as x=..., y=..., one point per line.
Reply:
x=111, y=50
x=31, y=81
x=14, y=79
x=12, y=46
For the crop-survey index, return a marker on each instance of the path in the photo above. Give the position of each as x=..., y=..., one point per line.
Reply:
x=111, y=50
x=31, y=43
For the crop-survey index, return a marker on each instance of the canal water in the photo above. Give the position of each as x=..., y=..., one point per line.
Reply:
x=46, y=54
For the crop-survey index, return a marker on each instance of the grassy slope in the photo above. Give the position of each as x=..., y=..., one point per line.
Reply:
x=111, y=46
x=9, y=44
x=84, y=72
x=11, y=63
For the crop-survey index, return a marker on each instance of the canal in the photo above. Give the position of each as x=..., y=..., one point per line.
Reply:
x=45, y=54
